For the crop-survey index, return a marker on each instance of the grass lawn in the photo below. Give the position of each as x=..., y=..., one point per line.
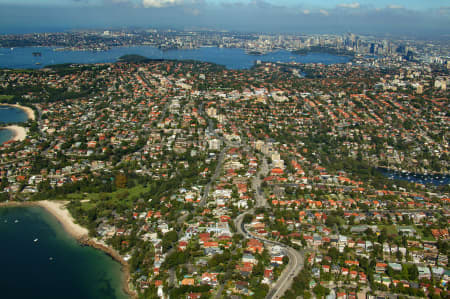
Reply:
x=122, y=196
x=4, y=97
x=391, y=229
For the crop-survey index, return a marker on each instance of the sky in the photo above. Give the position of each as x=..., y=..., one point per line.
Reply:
x=396, y=17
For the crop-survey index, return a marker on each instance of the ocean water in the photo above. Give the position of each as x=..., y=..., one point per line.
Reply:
x=231, y=58
x=10, y=115
x=56, y=265
x=5, y=135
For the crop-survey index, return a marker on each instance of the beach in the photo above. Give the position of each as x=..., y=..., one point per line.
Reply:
x=19, y=133
x=81, y=234
x=58, y=210
x=28, y=111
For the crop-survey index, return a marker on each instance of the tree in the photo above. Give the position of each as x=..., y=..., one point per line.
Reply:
x=333, y=253
x=413, y=272
x=169, y=240
x=320, y=291
x=247, y=218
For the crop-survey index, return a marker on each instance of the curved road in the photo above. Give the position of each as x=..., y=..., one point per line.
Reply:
x=293, y=268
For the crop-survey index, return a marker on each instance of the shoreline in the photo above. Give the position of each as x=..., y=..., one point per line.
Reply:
x=19, y=133
x=28, y=111
x=58, y=210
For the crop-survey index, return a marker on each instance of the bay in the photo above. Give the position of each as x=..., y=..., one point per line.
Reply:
x=53, y=266
x=56, y=266
x=10, y=115
x=425, y=179
x=5, y=135
x=232, y=58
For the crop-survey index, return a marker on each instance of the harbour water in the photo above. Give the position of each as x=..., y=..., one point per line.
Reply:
x=425, y=179
x=10, y=115
x=231, y=58
x=40, y=260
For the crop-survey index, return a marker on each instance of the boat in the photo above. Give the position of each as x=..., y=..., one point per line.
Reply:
x=50, y=258
x=16, y=221
x=35, y=240
x=38, y=63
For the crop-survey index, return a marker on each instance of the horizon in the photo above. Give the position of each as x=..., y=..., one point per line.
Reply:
x=407, y=18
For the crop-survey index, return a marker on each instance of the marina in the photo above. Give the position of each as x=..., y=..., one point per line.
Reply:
x=425, y=178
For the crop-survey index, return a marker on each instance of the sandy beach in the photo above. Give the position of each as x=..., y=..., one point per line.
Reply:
x=19, y=133
x=27, y=110
x=58, y=210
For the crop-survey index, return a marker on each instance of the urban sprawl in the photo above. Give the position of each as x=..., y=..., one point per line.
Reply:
x=278, y=181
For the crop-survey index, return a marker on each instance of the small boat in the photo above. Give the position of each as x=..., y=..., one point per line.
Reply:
x=35, y=240
x=50, y=258
x=16, y=221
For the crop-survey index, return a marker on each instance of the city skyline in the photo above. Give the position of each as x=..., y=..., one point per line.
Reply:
x=394, y=17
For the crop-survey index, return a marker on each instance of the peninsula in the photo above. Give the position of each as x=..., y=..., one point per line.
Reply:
x=210, y=182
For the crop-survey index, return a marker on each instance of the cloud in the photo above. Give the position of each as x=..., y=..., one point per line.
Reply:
x=395, y=6
x=444, y=10
x=161, y=3
x=324, y=12
x=349, y=5
x=231, y=4
x=117, y=2
x=192, y=11
x=262, y=4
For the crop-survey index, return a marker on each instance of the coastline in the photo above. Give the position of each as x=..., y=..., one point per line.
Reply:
x=19, y=133
x=58, y=210
x=28, y=111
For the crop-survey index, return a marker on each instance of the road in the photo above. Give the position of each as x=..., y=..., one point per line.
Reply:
x=378, y=210
x=214, y=177
x=221, y=157
x=256, y=184
x=293, y=268
x=295, y=257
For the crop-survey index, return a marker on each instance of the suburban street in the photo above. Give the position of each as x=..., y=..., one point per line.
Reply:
x=293, y=268
x=256, y=184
